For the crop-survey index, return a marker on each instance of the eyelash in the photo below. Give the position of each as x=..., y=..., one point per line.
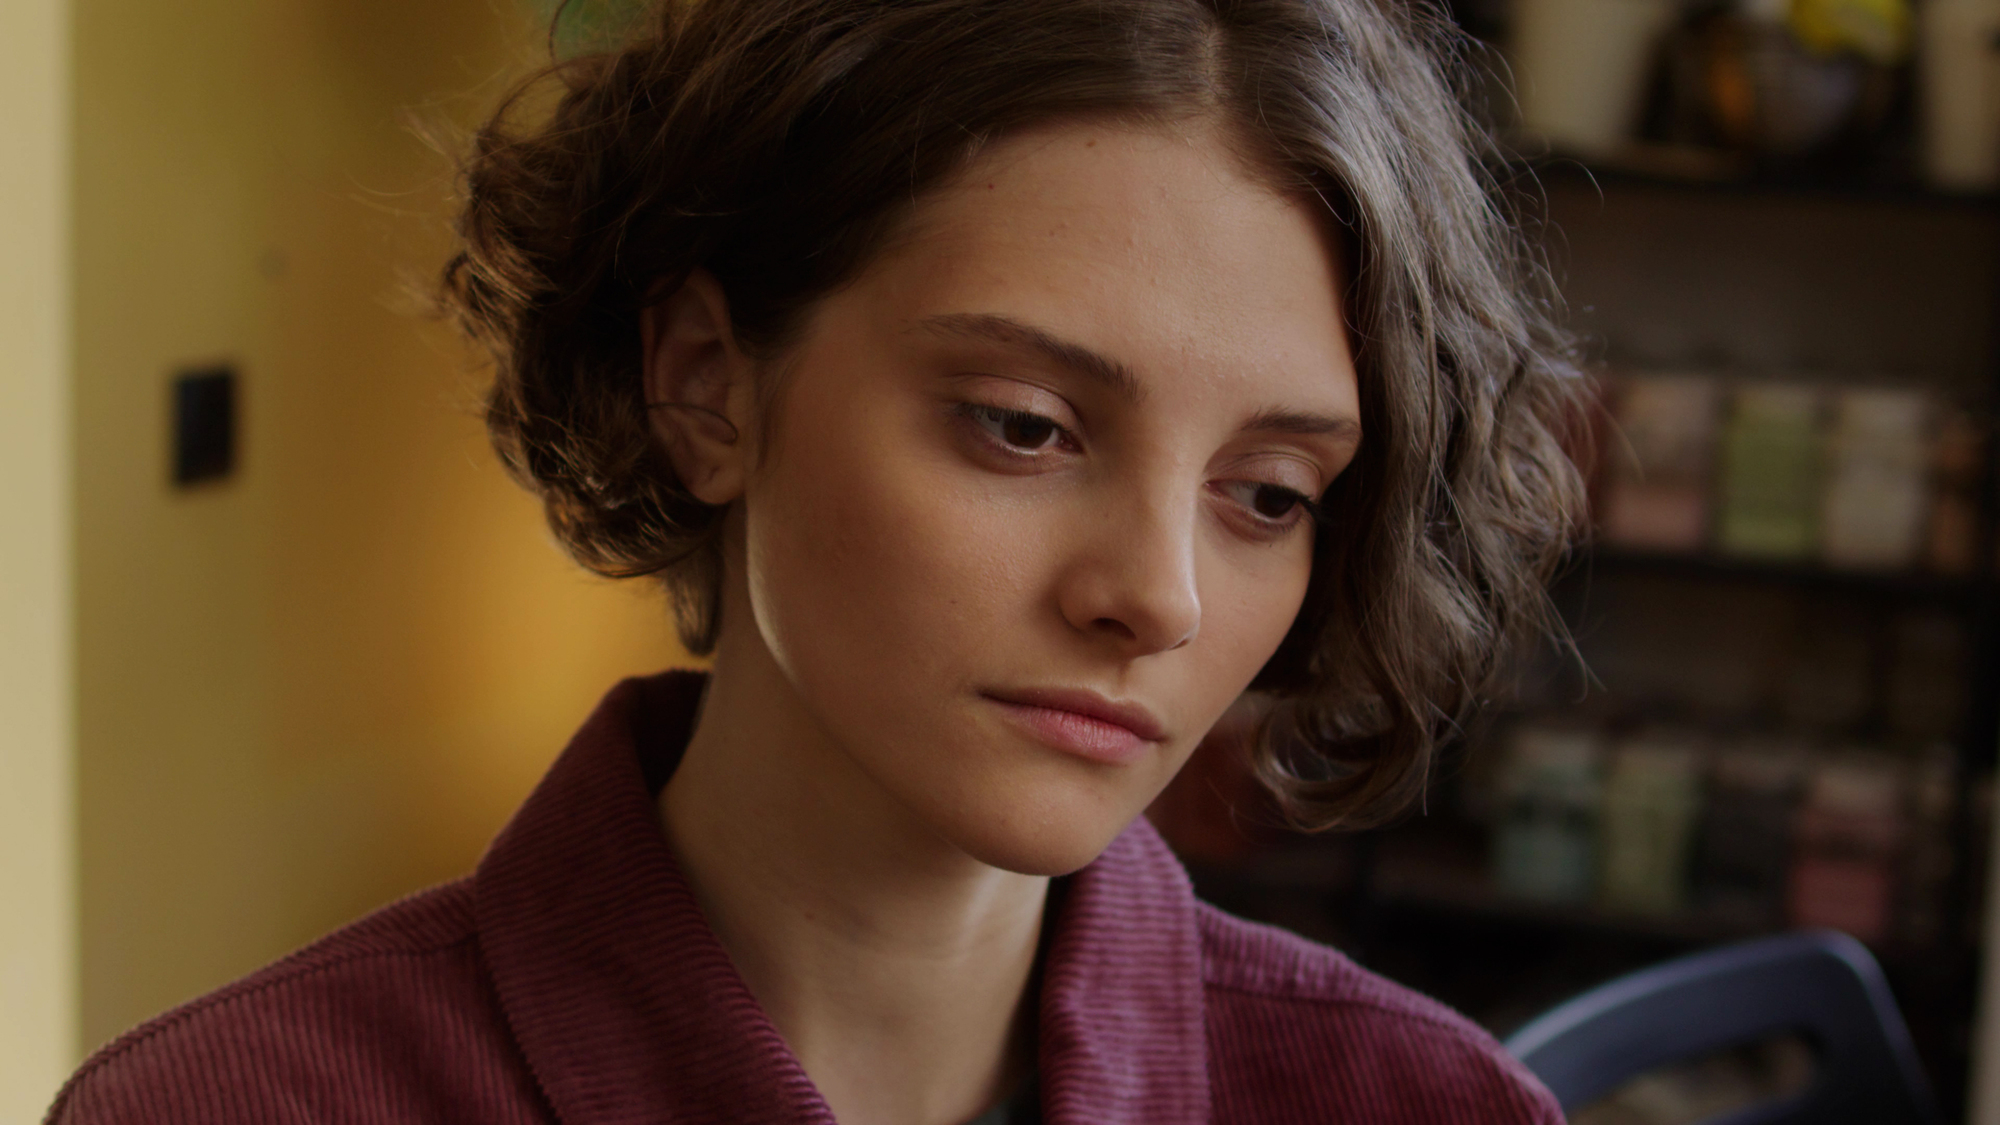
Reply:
x=982, y=414
x=1307, y=507
x=992, y=420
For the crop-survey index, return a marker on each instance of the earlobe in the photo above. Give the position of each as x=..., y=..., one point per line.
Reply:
x=696, y=379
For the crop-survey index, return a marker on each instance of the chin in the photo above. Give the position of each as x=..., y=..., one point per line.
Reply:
x=1052, y=836
x=1037, y=857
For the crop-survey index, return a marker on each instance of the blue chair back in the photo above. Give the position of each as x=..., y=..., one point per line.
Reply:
x=1818, y=984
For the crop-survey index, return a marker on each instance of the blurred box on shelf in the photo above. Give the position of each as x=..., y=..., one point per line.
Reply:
x=1651, y=801
x=1550, y=792
x=1959, y=94
x=1656, y=494
x=1745, y=849
x=1772, y=459
x=1877, y=494
x=1848, y=834
x=1580, y=69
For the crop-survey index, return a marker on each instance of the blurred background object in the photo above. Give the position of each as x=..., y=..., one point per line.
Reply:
x=39, y=1037
x=1793, y=1029
x=1581, y=68
x=1714, y=87
x=320, y=667
x=1773, y=223
x=252, y=700
x=1960, y=82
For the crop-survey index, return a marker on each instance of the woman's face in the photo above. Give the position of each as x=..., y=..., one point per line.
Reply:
x=1033, y=511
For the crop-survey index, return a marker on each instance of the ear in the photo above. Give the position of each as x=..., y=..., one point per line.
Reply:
x=698, y=387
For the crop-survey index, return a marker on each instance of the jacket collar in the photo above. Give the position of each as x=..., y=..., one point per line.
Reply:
x=628, y=1009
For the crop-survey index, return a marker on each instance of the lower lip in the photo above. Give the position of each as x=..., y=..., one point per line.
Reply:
x=1081, y=735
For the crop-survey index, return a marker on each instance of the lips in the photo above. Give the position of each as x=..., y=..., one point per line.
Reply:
x=1083, y=723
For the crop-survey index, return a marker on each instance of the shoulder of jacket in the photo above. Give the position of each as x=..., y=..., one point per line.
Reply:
x=1276, y=979
x=245, y=1023
x=1260, y=960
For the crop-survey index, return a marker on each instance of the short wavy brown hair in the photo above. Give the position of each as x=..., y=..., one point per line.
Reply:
x=775, y=143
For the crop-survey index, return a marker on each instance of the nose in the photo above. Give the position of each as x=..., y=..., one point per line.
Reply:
x=1131, y=580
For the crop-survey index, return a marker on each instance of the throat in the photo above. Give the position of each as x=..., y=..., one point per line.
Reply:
x=909, y=994
x=891, y=1034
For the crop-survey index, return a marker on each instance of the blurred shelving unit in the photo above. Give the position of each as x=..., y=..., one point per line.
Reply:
x=1817, y=278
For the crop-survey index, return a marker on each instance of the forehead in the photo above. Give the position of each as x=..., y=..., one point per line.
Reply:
x=1156, y=245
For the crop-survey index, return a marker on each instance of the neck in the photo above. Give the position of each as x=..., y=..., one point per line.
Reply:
x=896, y=966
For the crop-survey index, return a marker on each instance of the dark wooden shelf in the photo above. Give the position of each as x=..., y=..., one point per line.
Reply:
x=1448, y=882
x=1693, y=927
x=1714, y=174
x=1470, y=894
x=1905, y=585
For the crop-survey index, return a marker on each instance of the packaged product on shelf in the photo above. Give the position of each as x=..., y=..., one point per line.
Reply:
x=1745, y=849
x=1959, y=94
x=1658, y=463
x=1848, y=834
x=1545, y=844
x=1927, y=860
x=1877, y=481
x=1652, y=799
x=1581, y=68
x=1954, y=530
x=1771, y=465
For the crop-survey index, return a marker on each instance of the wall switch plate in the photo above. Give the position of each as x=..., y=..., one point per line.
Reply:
x=204, y=425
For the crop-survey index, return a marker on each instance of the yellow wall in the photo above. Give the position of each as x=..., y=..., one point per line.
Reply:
x=37, y=926
x=327, y=681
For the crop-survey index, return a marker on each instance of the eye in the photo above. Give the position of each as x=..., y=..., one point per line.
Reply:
x=1016, y=428
x=1271, y=503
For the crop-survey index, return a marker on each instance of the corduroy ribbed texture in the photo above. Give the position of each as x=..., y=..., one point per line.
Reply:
x=573, y=979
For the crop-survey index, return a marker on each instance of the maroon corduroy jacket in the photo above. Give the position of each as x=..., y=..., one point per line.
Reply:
x=572, y=979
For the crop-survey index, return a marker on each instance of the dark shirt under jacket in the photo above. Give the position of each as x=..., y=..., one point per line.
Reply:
x=573, y=979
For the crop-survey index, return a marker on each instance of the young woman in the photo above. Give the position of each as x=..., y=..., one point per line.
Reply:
x=1001, y=389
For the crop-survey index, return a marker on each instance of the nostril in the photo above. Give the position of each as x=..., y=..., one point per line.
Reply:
x=1112, y=625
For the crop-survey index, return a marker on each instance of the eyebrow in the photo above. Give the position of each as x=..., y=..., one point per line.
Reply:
x=1307, y=424
x=1008, y=332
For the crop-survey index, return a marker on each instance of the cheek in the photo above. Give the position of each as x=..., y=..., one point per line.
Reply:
x=866, y=571
x=1251, y=604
